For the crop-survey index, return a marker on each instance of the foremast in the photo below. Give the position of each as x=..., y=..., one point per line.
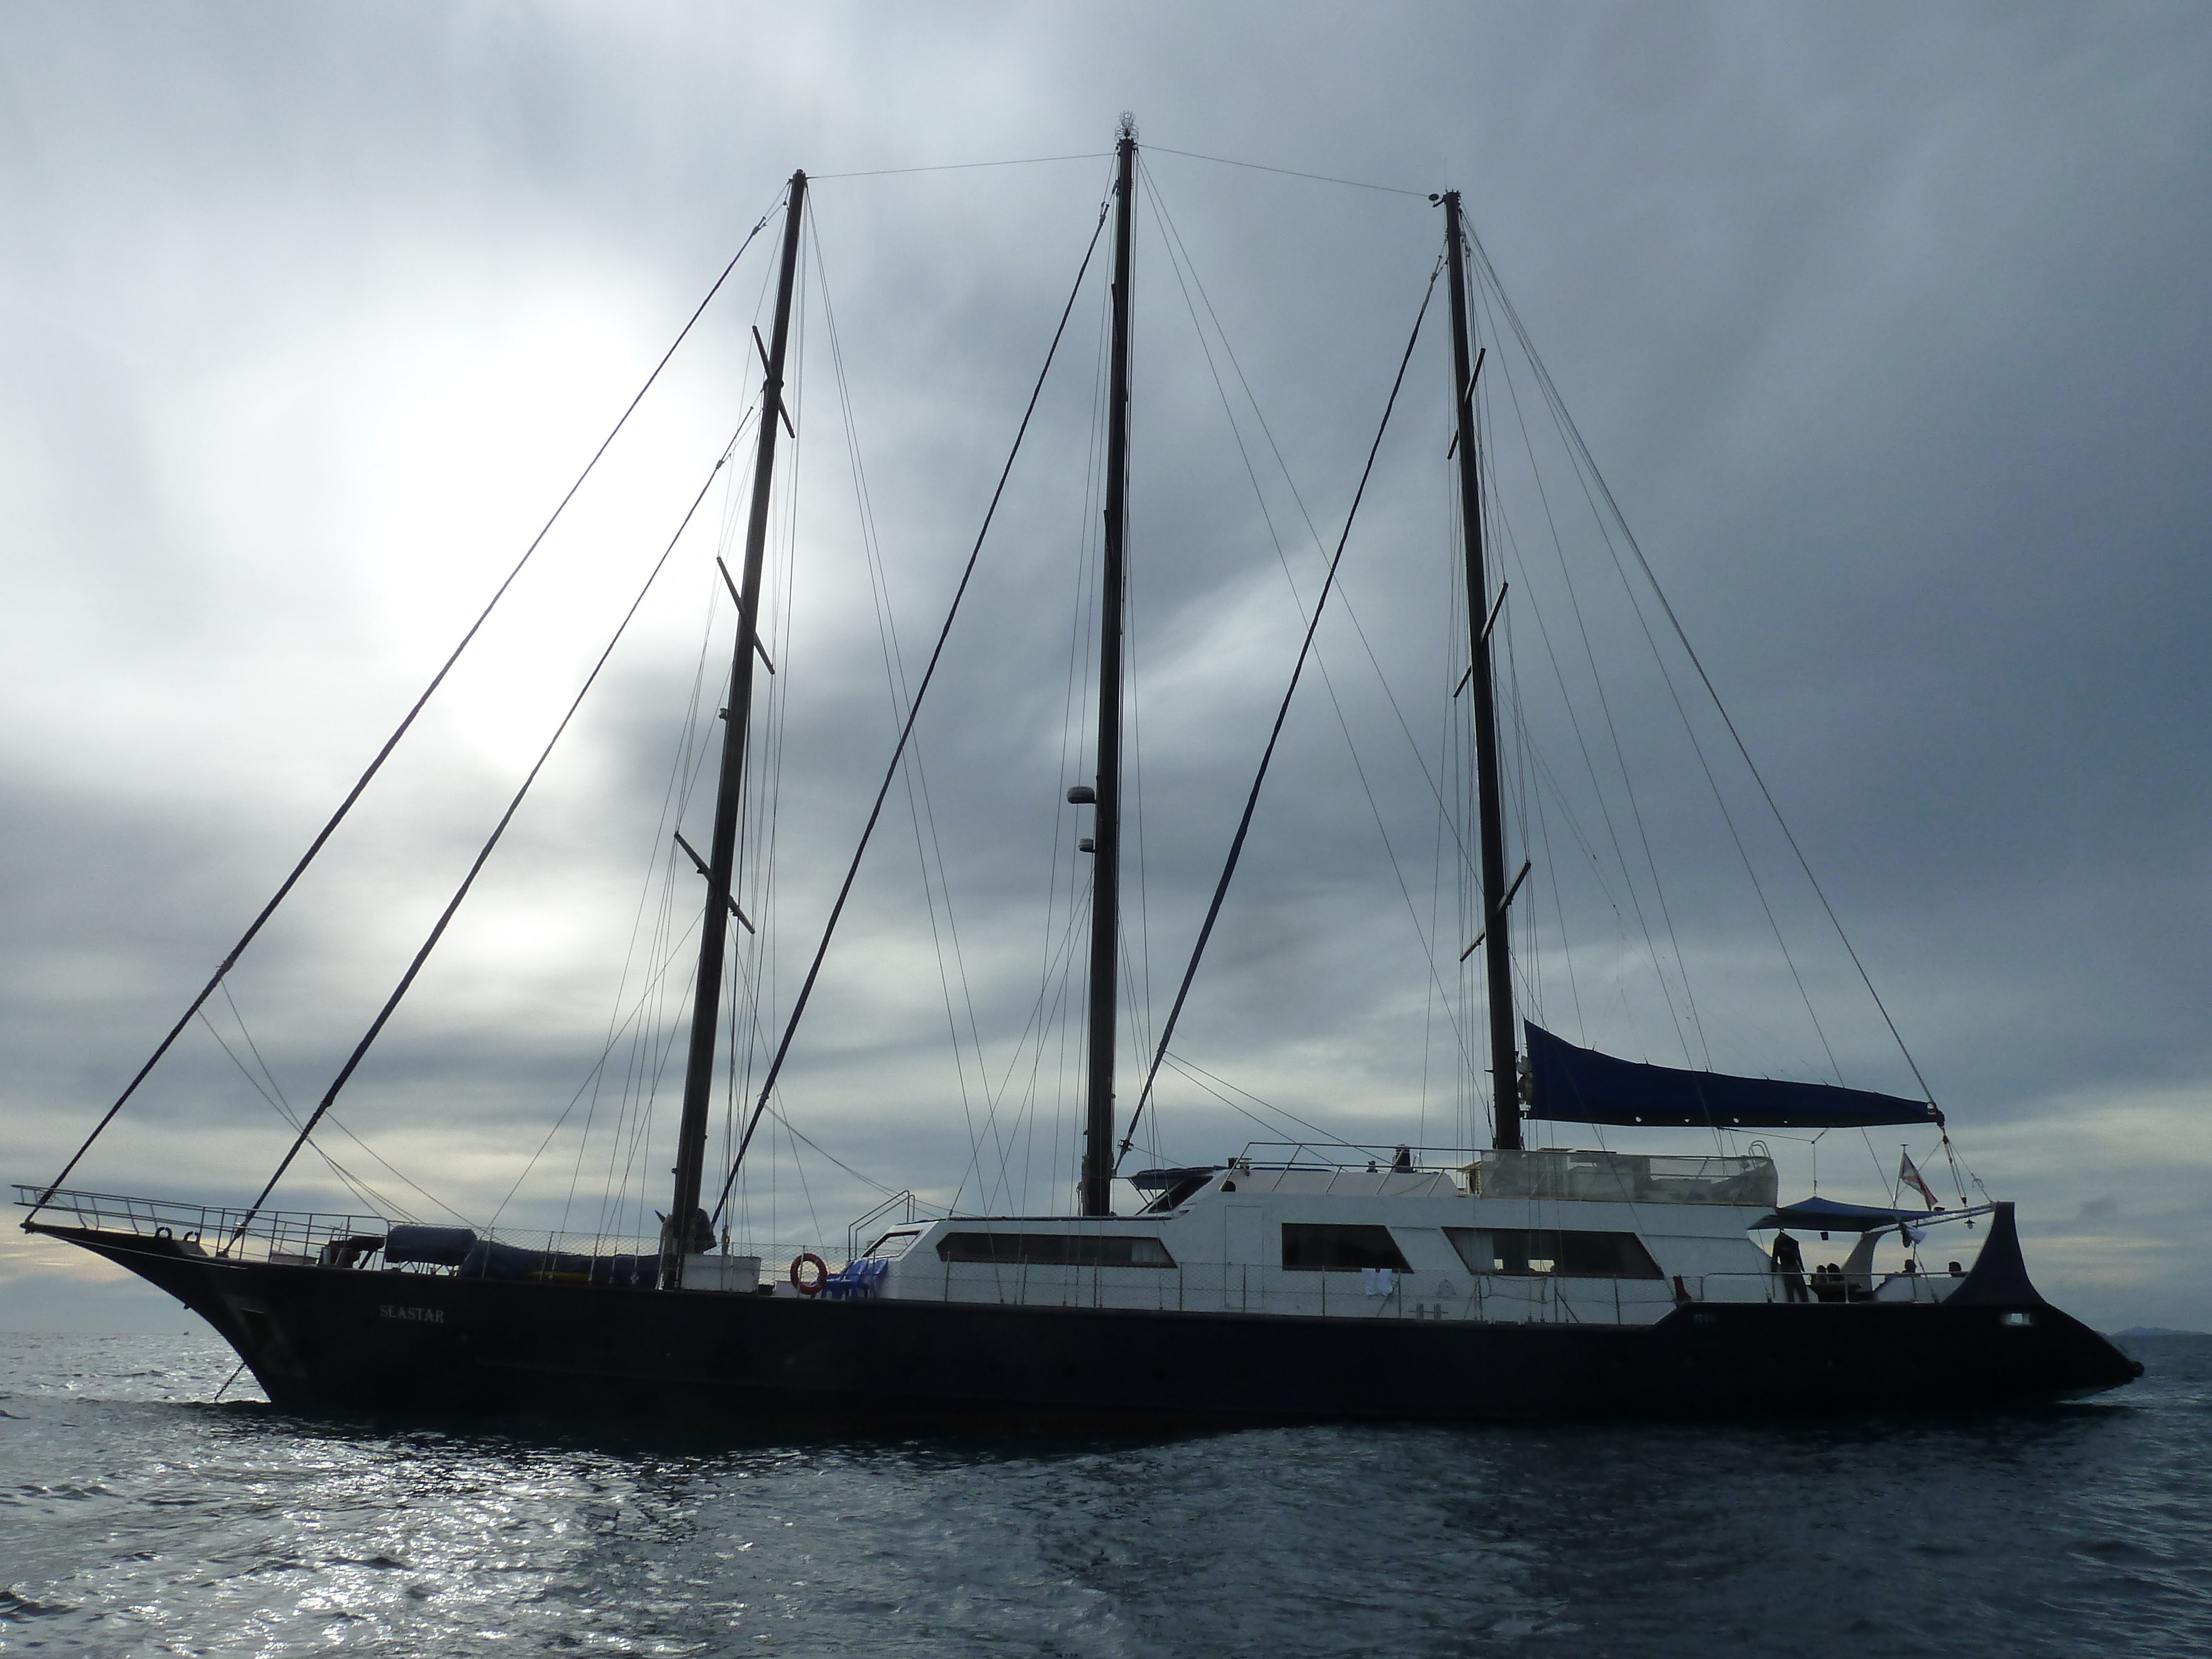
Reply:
x=1496, y=958
x=1095, y=1192
x=680, y=1229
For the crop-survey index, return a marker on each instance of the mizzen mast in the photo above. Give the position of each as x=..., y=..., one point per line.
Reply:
x=1496, y=958
x=1098, y=1179
x=678, y=1238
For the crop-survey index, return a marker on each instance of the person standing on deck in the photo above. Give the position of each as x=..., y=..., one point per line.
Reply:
x=1790, y=1262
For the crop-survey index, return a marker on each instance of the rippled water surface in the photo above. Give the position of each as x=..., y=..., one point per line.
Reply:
x=136, y=1517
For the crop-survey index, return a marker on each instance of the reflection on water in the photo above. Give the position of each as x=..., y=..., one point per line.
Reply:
x=134, y=1520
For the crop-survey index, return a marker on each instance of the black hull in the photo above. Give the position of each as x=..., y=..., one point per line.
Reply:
x=321, y=1337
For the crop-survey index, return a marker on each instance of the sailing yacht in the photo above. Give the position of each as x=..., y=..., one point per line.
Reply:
x=1505, y=1282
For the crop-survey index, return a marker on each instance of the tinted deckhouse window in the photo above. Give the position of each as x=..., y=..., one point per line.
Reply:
x=1567, y=1254
x=1340, y=1248
x=1056, y=1249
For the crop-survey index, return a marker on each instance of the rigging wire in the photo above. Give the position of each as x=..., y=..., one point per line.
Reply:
x=1047, y=1010
x=1181, y=262
x=1704, y=763
x=591, y=1078
x=685, y=768
x=1612, y=730
x=1136, y=964
x=936, y=655
x=1058, y=971
x=452, y=907
x=928, y=844
x=675, y=794
x=1446, y=749
x=749, y=981
x=762, y=835
x=273, y=1093
x=1089, y=574
x=1093, y=156
x=376, y=765
x=1573, y=434
x=813, y=1145
x=1187, y=278
x=1194, y=1072
x=1055, y=973
x=1501, y=530
x=1288, y=173
x=277, y=1104
x=961, y=166
x=1608, y=516
x=652, y=1041
x=1267, y=755
x=799, y=1168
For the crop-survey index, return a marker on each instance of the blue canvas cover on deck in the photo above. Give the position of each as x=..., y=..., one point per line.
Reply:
x=1826, y=1215
x=488, y=1259
x=1580, y=1085
x=434, y=1247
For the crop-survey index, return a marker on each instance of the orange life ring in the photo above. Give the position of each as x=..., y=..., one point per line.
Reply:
x=821, y=1273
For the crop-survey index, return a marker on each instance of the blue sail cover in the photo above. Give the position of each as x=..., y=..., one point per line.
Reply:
x=1580, y=1085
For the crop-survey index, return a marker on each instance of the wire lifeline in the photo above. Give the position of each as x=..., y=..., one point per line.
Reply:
x=438, y=931
x=391, y=743
x=1282, y=714
x=898, y=752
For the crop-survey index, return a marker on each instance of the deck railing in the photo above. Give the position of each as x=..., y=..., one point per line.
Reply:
x=899, y=1210
x=1543, y=1172
x=253, y=1235
x=299, y=1237
x=1840, y=1290
x=1626, y=1178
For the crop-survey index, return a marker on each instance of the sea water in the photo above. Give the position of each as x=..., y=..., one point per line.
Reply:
x=140, y=1515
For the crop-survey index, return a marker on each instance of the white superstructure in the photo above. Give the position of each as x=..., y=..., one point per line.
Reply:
x=1552, y=1237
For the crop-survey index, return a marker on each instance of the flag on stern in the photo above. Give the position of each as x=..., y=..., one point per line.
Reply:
x=1909, y=1177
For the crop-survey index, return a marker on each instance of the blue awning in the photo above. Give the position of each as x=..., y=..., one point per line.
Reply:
x=1827, y=1216
x=1580, y=1085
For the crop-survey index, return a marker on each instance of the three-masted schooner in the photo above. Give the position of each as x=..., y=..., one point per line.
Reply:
x=1513, y=1283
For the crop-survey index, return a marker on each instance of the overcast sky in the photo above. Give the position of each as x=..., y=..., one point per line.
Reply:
x=1884, y=325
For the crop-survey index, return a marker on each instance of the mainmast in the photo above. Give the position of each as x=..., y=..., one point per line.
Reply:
x=1106, y=883
x=676, y=1232
x=1497, y=961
